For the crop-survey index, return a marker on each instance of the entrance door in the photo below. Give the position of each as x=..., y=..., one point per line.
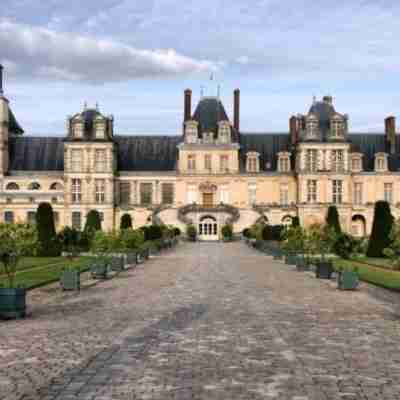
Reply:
x=208, y=229
x=208, y=199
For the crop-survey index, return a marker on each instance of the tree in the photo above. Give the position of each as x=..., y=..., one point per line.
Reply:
x=332, y=220
x=93, y=222
x=126, y=222
x=47, y=236
x=191, y=232
x=381, y=229
x=393, y=251
x=227, y=232
x=295, y=222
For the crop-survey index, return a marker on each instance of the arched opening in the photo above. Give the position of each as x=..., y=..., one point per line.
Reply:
x=12, y=186
x=208, y=228
x=33, y=186
x=287, y=221
x=56, y=186
x=358, y=225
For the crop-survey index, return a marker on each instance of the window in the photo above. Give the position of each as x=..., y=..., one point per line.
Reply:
x=208, y=137
x=101, y=216
x=76, y=220
x=388, y=192
x=312, y=129
x=337, y=191
x=380, y=163
x=100, y=162
x=34, y=186
x=224, y=163
x=124, y=193
x=167, y=193
x=56, y=186
x=356, y=164
x=337, y=158
x=252, y=163
x=311, y=160
x=336, y=128
x=146, y=193
x=207, y=162
x=78, y=130
x=284, y=194
x=31, y=217
x=358, y=197
x=12, y=186
x=54, y=200
x=284, y=165
x=9, y=217
x=100, y=190
x=76, y=190
x=191, y=133
x=76, y=160
x=224, y=195
x=312, y=191
x=252, y=193
x=192, y=194
x=100, y=130
x=191, y=162
x=224, y=133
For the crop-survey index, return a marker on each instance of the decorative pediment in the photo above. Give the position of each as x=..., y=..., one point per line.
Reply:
x=208, y=187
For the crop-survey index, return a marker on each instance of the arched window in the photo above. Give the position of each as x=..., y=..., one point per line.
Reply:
x=56, y=186
x=34, y=186
x=287, y=221
x=12, y=186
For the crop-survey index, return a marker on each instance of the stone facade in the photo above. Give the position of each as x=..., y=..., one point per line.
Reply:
x=212, y=172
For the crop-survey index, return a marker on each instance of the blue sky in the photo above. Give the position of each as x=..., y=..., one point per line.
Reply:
x=136, y=57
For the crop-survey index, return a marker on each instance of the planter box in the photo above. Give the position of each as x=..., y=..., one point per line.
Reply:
x=70, y=279
x=117, y=264
x=12, y=303
x=324, y=270
x=290, y=259
x=131, y=258
x=302, y=265
x=99, y=270
x=347, y=280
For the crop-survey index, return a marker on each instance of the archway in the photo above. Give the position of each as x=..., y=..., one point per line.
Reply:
x=358, y=225
x=208, y=228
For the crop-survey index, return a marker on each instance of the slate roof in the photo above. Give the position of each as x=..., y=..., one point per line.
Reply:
x=13, y=126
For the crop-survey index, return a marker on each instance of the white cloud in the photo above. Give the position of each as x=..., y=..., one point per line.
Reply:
x=48, y=54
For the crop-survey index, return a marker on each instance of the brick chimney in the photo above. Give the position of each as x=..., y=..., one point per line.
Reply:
x=390, y=133
x=188, y=105
x=294, y=125
x=236, y=110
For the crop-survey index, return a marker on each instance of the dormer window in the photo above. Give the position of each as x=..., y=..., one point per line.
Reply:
x=337, y=127
x=356, y=162
x=284, y=162
x=253, y=163
x=312, y=127
x=191, y=132
x=208, y=137
x=100, y=129
x=224, y=132
x=78, y=129
x=381, y=162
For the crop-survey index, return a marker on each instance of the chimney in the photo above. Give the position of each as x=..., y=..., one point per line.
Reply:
x=390, y=133
x=1, y=80
x=188, y=105
x=236, y=110
x=294, y=129
x=327, y=99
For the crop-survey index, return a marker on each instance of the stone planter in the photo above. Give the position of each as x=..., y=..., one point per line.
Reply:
x=324, y=270
x=302, y=265
x=70, y=279
x=131, y=258
x=99, y=270
x=347, y=280
x=12, y=303
x=290, y=259
x=117, y=264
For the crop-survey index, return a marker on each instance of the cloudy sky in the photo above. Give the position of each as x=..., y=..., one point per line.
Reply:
x=136, y=57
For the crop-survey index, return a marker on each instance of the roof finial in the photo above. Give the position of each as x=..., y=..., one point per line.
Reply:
x=97, y=106
x=85, y=106
x=201, y=91
x=314, y=99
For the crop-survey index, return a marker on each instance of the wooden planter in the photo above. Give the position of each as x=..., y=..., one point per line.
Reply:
x=70, y=279
x=12, y=303
x=324, y=270
x=347, y=280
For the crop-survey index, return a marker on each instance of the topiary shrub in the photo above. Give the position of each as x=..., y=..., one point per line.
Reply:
x=126, y=222
x=177, y=232
x=344, y=245
x=247, y=233
x=68, y=239
x=273, y=232
x=47, y=237
x=381, y=229
x=295, y=222
x=227, y=232
x=332, y=220
x=154, y=232
x=191, y=232
x=93, y=222
x=132, y=239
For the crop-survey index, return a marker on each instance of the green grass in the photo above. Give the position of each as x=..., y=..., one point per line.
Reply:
x=379, y=262
x=46, y=273
x=34, y=262
x=376, y=275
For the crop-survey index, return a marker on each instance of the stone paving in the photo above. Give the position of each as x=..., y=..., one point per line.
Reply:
x=205, y=321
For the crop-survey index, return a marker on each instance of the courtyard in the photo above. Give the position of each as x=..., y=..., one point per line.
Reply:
x=205, y=321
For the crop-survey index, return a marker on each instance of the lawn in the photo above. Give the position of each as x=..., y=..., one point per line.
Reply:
x=41, y=272
x=34, y=262
x=376, y=275
x=379, y=262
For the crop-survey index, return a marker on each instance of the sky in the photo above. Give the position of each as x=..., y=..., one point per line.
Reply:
x=135, y=58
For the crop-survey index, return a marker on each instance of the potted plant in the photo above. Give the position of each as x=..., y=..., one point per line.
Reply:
x=15, y=241
x=347, y=278
x=323, y=238
x=191, y=233
x=100, y=268
x=70, y=278
x=294, y=245
x=227, y=233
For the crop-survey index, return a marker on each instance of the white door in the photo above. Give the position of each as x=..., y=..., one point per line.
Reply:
x=208, y=229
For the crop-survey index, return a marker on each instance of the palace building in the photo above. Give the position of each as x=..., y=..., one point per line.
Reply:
x=210, y=174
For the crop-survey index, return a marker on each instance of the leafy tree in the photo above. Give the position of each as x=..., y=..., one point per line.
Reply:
x=273, y=232
x=126, y=222
x=93, y=222
x=393, y=250
x=381, y=229
x=68, y=239
x=295, y=240
x=344, y=245
x=191, y=232
x=177, y=232
x=132, y=239
x=246, y=233
x=48, y=244
x=332, y=220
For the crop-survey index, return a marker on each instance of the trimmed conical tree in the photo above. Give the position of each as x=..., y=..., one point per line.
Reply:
x=381, y=228
x=332, y=220
x=295, y=222
x=93, y=222
x=47, y=237
x=126, y=222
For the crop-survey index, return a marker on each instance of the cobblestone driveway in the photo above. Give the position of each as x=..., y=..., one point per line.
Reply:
x=206, y=321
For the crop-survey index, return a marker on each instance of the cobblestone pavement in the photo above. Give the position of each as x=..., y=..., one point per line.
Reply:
x=205, y=321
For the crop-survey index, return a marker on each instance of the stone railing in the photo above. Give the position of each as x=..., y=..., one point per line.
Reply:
x=220, y=208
